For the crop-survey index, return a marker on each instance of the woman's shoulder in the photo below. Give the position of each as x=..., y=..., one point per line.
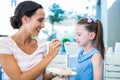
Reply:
x=4, y=40
x=5, y=45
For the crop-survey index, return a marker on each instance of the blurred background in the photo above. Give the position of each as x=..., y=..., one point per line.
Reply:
x=62, y=16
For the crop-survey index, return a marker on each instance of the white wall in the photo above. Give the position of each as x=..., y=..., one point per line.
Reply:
x=5, y=12
x=114, y=23
x=104, y=20
x=110, y=10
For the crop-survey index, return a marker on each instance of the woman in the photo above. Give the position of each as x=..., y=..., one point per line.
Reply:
x=21, y=56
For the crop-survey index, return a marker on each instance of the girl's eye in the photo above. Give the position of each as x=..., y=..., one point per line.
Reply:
x=79, y=34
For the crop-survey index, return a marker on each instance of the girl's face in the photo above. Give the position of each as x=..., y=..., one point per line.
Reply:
x=36, y=22
x=82, y=35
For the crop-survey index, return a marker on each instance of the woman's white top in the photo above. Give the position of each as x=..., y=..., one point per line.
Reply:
x=25, y=61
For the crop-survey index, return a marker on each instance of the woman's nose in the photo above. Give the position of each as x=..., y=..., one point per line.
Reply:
x=42, y=24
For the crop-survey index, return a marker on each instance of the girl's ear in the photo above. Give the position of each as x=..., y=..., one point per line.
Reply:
x=92, y=35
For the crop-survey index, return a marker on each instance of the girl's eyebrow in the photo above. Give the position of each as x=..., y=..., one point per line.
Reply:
x=78, y=32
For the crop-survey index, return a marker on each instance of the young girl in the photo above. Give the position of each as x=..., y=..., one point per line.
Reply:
x=89, y=35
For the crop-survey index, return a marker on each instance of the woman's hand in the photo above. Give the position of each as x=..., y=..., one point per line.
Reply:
x=54, y=47
x=61, y=76
x=49, y=76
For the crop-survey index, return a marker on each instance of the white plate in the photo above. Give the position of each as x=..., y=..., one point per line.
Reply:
x=53, y=70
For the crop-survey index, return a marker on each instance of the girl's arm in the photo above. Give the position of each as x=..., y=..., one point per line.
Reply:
x=13, y=71
x=97, y=66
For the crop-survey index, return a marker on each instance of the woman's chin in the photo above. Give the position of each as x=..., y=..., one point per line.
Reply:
x=36, y=34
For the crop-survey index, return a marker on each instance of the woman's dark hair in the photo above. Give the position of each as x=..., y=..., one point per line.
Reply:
x=94, y=25
x=27, y=8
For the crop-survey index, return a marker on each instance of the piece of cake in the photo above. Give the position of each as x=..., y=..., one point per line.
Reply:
x=67, y=43
x=64, y=71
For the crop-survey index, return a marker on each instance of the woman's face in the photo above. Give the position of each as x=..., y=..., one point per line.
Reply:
x=82, y=35
x=36, y=22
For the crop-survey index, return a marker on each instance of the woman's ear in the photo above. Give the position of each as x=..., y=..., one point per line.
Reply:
x=92, y=35
x=25, y=19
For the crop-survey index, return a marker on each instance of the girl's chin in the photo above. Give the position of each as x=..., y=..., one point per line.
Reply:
x=79, y=45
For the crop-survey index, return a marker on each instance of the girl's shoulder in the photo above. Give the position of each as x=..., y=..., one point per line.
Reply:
x=96, y=58
x=95, y=51
x=96, y=54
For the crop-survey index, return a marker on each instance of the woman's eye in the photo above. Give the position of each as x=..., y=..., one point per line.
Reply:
x=41, y=20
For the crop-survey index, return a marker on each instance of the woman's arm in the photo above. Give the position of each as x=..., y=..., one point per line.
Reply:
x=12, y=69
x=97, y=66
